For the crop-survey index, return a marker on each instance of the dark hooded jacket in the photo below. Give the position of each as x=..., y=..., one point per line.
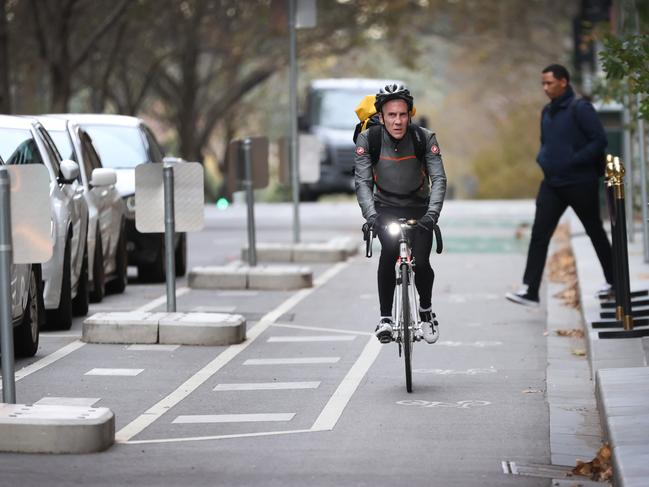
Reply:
x=573, y=141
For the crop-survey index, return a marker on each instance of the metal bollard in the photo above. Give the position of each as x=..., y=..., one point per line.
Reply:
x=615, y=182
x=6, y=324
x=250, y=200
x=170, y=230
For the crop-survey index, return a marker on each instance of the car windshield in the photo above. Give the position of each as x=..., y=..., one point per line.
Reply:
x=335, y=108
x=118, y=147
x=17, y=146
x=63, y=144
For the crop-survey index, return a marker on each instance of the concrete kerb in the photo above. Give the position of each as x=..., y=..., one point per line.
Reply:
x=210, y=329
x=337, y=249
x=279, y=277
x=619, y=367
x=26, y=428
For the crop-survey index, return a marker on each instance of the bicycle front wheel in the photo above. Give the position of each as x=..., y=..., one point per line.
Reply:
x=405, y=322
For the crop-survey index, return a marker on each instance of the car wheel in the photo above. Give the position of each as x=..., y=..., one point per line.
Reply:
x=80, y=302
x=155, y=271
x=27, y=333
x=118, y=284
x=61, y=317
x=181, y=256
x=98, y=275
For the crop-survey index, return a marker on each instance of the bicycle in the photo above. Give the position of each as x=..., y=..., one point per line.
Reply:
x=405, y=308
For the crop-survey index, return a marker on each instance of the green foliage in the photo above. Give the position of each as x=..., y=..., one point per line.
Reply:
x=506, y=168
x=626, y=59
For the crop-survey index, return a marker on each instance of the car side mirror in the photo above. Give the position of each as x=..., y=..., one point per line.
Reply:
x=103, y=176
x=69, y=171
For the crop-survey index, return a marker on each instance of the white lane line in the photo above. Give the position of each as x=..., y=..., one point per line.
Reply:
x=337, y=403
x=238, y=294
x=319, y=328
x=312, y=338
x=190, y=385
x=267, y=386
x=217, y=437
x=156, y=347
x=59, y=335
x=67, y=401
x=161, y=300
x=292, y=361
x=214, y=309
x=233, y=418
x=50, y=359
x=115, y=372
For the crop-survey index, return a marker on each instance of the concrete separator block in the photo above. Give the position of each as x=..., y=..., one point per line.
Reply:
x=335, y=250
x=279, y=277
x=202, y=329
x=121, y=327
x=55, y=429
x=218, y=277
x=314, y=252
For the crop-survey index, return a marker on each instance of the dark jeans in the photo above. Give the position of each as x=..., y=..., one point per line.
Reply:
x=421, y=245
x=551, y=202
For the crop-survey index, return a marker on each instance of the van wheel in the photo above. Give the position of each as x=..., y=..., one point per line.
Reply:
x=156, y=270
x=27, y=333
x=61, y=317
x=181, y=256
x=118, y=284
x=80, y=302
x=98, y=275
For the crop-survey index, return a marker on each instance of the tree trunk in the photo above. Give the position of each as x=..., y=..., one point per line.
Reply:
x=5, y=101
x=60, y=82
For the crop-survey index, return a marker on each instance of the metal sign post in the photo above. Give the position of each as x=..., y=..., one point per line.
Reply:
x=295, y=173
x=6, y=325
x=170, y=230
x=250, y=200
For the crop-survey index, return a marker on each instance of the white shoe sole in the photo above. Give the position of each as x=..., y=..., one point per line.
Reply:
x=515, y=298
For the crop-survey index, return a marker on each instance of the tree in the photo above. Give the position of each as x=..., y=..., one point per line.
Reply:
x=67, y=32
x=5, y=101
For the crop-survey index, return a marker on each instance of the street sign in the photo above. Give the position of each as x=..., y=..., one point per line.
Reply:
x=236, y=165
x=31, y=216
x=306, y=15
x=189, y=197
x=309, y=156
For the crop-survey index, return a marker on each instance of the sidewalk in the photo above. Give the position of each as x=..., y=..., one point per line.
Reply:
x=618, y=366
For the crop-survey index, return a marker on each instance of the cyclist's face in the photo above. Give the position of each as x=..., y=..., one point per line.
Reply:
x=394, y=115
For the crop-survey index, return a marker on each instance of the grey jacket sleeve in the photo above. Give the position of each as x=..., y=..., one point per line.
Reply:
x=437, y=177
x=364, y=177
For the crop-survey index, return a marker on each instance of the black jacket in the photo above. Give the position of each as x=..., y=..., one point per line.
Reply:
x=572, y=141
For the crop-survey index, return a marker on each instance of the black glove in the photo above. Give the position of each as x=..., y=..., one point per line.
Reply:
x=427, y=222
x=369, y=224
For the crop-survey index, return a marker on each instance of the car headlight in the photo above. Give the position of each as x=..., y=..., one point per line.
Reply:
x=394, y=229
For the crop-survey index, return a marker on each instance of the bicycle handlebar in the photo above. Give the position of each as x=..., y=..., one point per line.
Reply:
x=368, y=236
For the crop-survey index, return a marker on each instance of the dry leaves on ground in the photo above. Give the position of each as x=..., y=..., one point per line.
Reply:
x=529, y=390
x=563, y=269
x=574, y=332
x=579, y=352
x=599, y=468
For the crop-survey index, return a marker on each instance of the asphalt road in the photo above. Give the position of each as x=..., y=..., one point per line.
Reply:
x=311, y=398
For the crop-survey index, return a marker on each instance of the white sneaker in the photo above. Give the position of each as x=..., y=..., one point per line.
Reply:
x=430, y=330
x=605, y=289
x=523, y=296
x=384, y=330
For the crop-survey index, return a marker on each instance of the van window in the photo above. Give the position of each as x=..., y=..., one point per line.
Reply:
x=118, y=147
x=334, y=109
x=17, y=146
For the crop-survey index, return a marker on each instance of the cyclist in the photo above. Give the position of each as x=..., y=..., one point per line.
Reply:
x=401, y=185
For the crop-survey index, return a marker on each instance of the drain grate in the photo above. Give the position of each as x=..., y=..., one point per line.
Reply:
x=557, y=472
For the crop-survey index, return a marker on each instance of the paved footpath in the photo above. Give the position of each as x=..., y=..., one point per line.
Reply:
x=311, y=398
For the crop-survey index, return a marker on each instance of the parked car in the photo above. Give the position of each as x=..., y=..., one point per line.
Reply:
x=107, y=258
x=27, y=310
x=24, y=140
x=329, y=115
x=123, y=143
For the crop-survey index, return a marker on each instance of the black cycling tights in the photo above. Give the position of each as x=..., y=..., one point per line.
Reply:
x=421, y=244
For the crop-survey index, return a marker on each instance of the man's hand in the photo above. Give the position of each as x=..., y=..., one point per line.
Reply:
x=427, y=222
x=369, y=223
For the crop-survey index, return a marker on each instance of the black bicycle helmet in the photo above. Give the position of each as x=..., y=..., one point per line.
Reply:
x=393, y=91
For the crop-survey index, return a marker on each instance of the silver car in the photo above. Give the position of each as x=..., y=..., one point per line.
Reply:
x=66, y=289
x=107, y=258
x=123, y=143
x=27, y=312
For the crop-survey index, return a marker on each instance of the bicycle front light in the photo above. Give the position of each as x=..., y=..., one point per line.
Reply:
x=394, y=229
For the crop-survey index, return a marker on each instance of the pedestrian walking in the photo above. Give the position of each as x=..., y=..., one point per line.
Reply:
x=573, y=142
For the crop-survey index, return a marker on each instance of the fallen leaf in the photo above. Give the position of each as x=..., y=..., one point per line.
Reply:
x=545, y=333
x=599, y=468
x=531, y=391
x=579, y=352
x=576, y=333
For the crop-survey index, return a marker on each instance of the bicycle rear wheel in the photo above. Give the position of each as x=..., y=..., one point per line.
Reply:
x=406, y=334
